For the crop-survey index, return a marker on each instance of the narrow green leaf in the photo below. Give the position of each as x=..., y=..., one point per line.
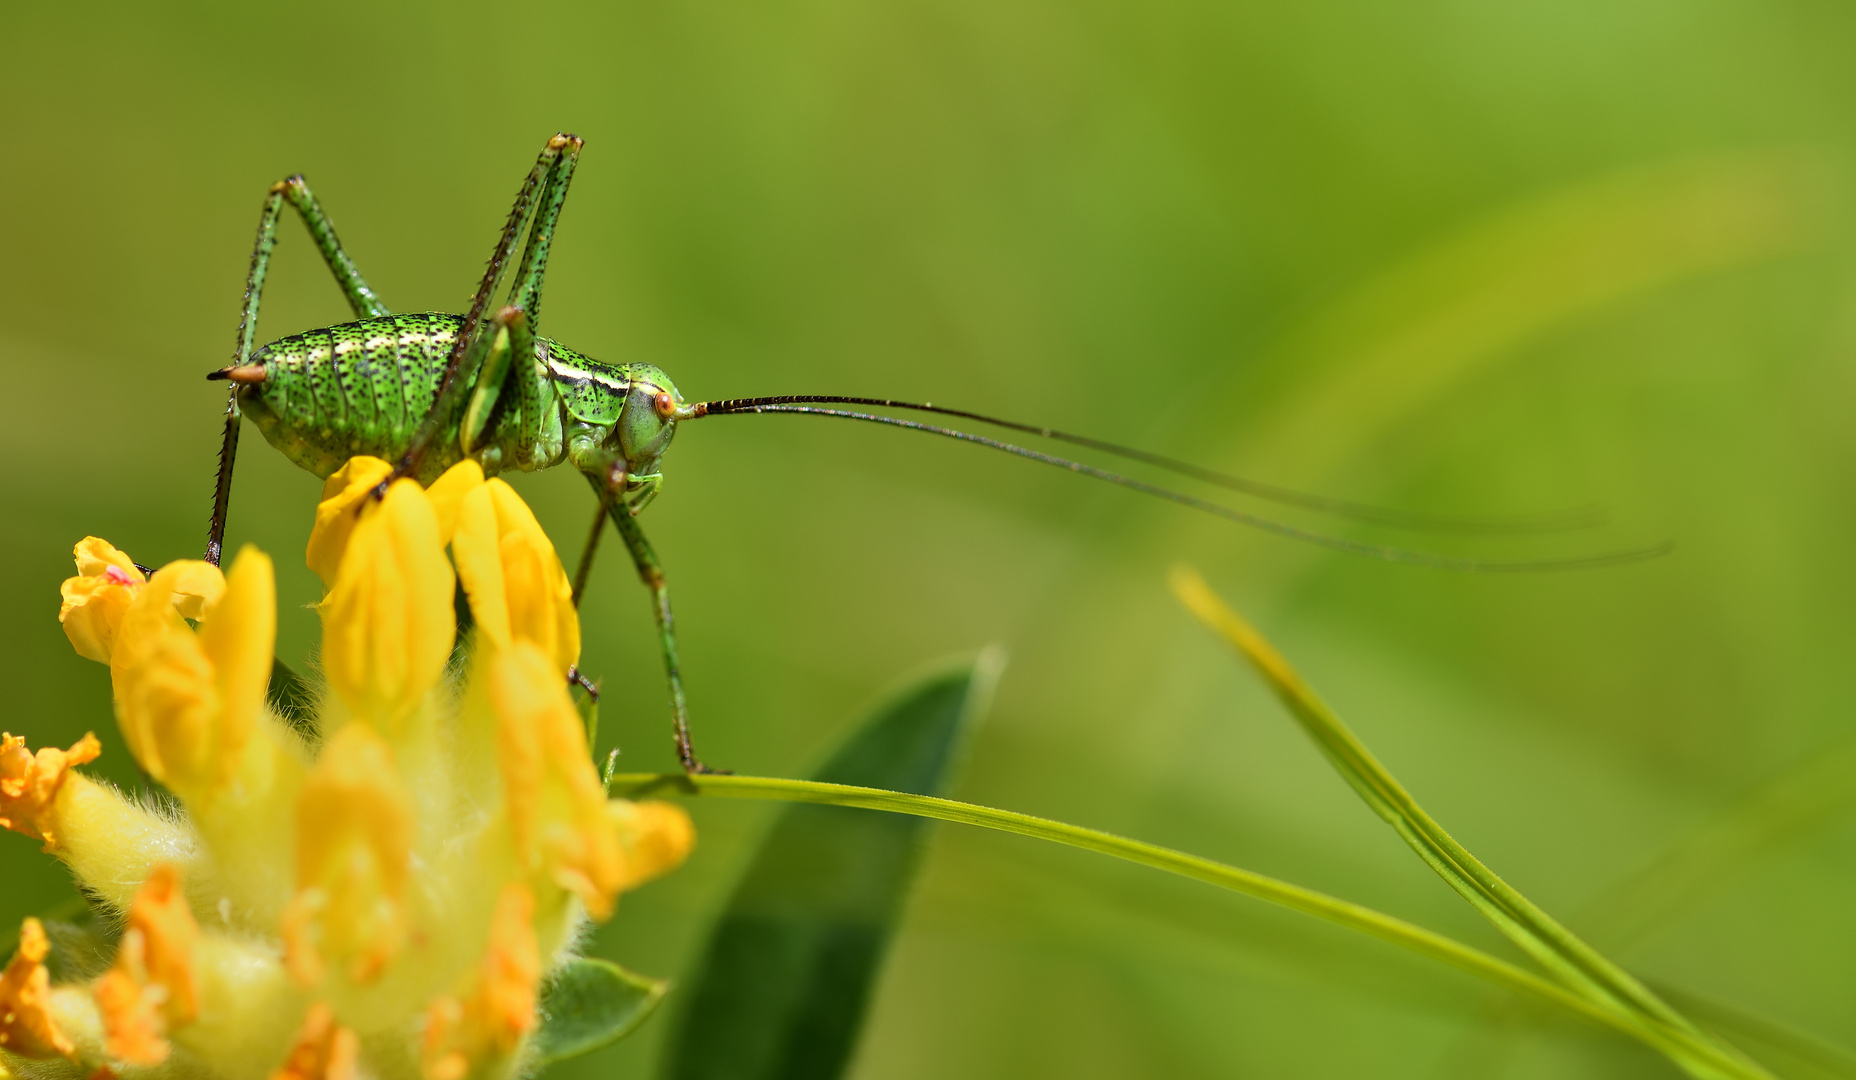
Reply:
x=1249, y=883
x=1581, y=968
x=590, y=1003
x=1808, y=1048
x=781, y=991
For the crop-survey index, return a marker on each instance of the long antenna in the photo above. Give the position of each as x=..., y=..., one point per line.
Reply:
x=1549, y=521
x=1383, y=552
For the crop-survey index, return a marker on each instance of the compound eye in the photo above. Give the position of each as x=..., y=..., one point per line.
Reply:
x=666, y=405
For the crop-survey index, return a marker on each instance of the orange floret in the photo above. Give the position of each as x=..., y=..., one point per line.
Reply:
x=133, y=1030
x=169, y=937
x=153, y=985
x=511, y=970
x=26, y=1028
x=501, y=1008
x=29, y=784
x=323, y=1050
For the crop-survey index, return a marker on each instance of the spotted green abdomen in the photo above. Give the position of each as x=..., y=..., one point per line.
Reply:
x=359, y=388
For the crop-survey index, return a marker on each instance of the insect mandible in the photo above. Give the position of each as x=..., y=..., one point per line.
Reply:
x=428, y=390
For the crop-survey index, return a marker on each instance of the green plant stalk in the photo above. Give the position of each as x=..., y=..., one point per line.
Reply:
x=1581, y=967
x=1660, y=1037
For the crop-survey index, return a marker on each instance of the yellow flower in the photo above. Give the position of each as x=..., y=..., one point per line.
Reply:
x=188, y=702
x=153, y=984
x=26, y=1027
x=29, y=784
x=353, y=856
x=96, y=600
x=388, y=622
x=382, y=894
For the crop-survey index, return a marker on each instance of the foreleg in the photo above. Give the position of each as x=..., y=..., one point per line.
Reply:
x=511, y=353
x=472, y=345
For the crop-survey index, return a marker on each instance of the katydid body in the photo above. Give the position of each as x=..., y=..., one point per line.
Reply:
x=429, y=390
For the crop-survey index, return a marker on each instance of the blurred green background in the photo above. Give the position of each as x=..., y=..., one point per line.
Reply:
x=1466, y=257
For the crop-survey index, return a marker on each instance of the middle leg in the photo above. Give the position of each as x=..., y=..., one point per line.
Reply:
x=585, y=570
x=651, y=572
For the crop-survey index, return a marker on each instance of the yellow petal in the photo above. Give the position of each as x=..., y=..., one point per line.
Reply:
x=541, y=599
x=96, y=555
x=168, y=699
x=655, y=836
x=342, y=495
x=29, y=784
x=26, y=1027
x=476, y=547
x=95, y=600
x=91, y=611
x=448, y=491
x=239, y=640
x=557, y=809
x=354, y=829
x=388, y=624
x=197, y=586
x=515, y=581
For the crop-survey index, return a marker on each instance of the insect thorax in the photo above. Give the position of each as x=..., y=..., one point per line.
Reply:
x=364, y=387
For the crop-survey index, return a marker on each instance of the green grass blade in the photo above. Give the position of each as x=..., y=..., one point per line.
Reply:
x=1816, y=1053
x=1294, y=897
x=589, y=1004
x=782, y=989
x=1776, y=814
x=1581, y=967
